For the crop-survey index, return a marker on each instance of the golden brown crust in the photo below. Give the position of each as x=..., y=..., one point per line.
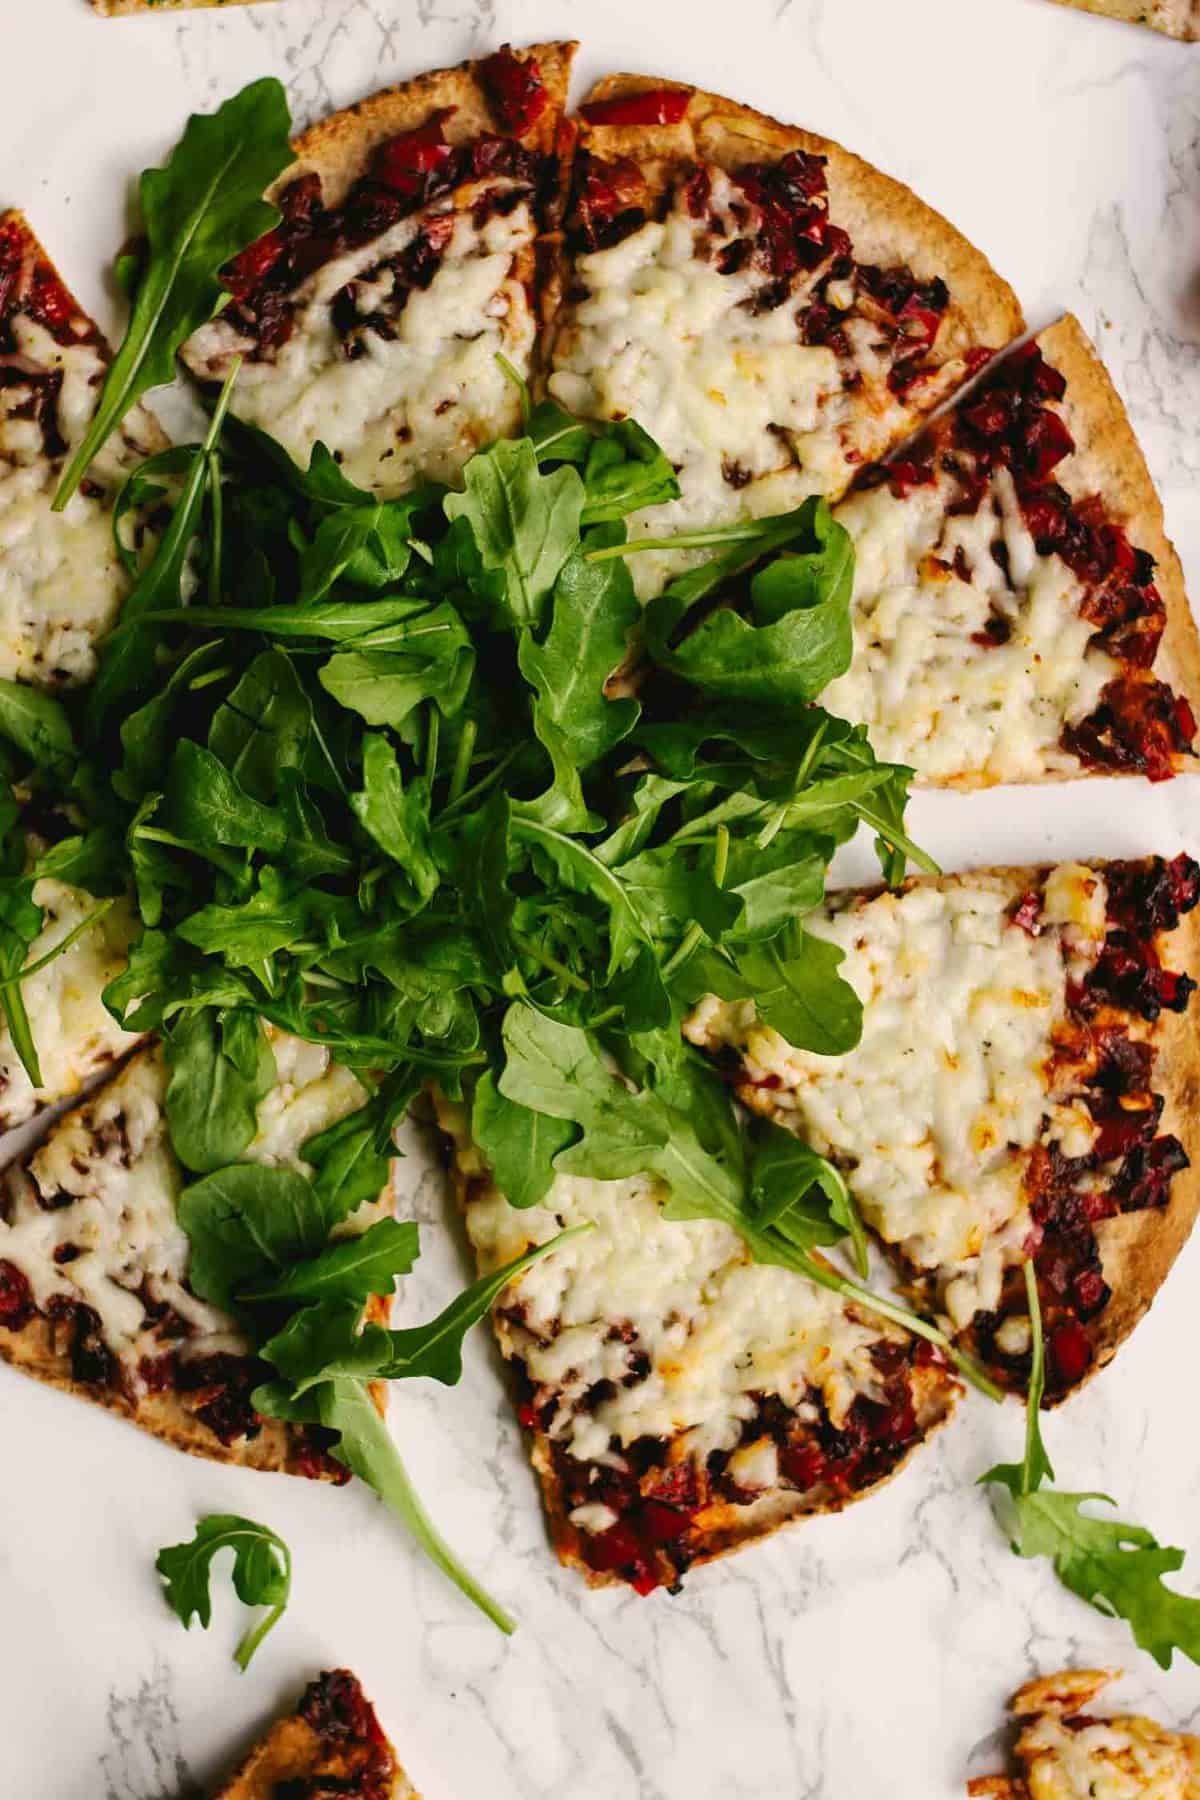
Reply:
x=278, y=1448
x=1175, y=18
x=885, y=219
x=339, y=147
x=293, y=1751
x=1108, y=461
x=723, y=1527
x=115, y=9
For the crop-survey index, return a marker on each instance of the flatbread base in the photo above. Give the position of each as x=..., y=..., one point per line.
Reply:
x=293, y=1751
x=1174, y=18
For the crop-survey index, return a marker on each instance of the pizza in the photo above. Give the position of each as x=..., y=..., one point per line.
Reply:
x=405, y=265
x=1064, y=1752
x=94, y=1294
x=1018, y=612
x=332, y=1744
x=775, y=312
x=682, y=1400
x=1177, y=18
x=1026, y=1085
x=62, y=580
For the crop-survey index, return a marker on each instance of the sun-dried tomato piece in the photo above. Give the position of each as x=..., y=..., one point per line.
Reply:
x=246, y=273
x=611, y=199
x=515, y=90
x=1027, y=913
x=653, y=106
x=16, y=1297
x=407, y=162
x=1047, y=442
x=1069, y=1351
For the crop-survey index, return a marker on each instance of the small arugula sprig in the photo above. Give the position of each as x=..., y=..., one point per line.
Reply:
x=1116, y=1567
x=262, y=1575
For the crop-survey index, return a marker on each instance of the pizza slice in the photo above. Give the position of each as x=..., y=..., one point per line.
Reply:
x=772, y=310
x=1064, y=1752
x=1018, y=611
x=374, y=316
x=1026, y=1085
x=332, y=1744
x=1176, y=18
x=94, y=1294
x=682, y=1400
x=62, y=580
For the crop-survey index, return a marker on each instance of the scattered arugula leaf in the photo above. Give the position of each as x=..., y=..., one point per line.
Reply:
x=262, y=1574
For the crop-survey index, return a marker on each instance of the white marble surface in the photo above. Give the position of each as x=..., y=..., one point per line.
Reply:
x=856, y=1658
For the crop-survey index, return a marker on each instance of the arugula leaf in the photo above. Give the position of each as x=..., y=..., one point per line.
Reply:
x=801, y=639
x=37, y=724
x=623, y=468
x=794, y=982
x=593, y=615
x=366, y=1448
x=348, y=1164
x=264, y=725
x=206, y=805
x=199, y=211
x=262, y=1574
x=518, y=1143
x=221, y=1066
x=248, y=1224
x=396, y=816
x=353, y=1268
x=786, y=1177
x=525, y=524
x=20, y=925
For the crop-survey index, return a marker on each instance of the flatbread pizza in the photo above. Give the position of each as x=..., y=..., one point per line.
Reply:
x=375, y=316
x=1064, y=1751
x=1019, y=613
x=683, y=1401
x=94, y=1291
x=774, y=311
x=1026, y=1085
x=115, y=9
x=332, y=1744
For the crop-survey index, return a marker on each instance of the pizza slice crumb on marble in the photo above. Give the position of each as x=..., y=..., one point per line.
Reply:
x=331, y=1744
x=94, y=1291
x=1175, y=18
x=1027, y=1084
x=683, y=1401
x=1063, y=1751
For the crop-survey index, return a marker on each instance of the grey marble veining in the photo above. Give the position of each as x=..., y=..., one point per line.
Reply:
x=865, y=1657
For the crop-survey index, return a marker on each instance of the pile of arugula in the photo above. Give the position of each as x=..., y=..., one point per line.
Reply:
x=375, y=777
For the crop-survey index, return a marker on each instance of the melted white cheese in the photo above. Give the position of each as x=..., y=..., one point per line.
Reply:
x=930, y=694
x=110, y=1177
x=61, y=580
x=717, y=1329
x=930, y=1113
x=731, y=394
x=419, y=403
x=74, y=1033
x=1127, y=1758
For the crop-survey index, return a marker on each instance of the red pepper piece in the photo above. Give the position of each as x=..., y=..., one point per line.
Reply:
x=1046, y=443
x=659, y=1524
x=653, y=106
x=247, y=271
x=403, y=162
x=515, y=89
x=1070, y=1352
x=1028, y=912
x=16, y=1299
